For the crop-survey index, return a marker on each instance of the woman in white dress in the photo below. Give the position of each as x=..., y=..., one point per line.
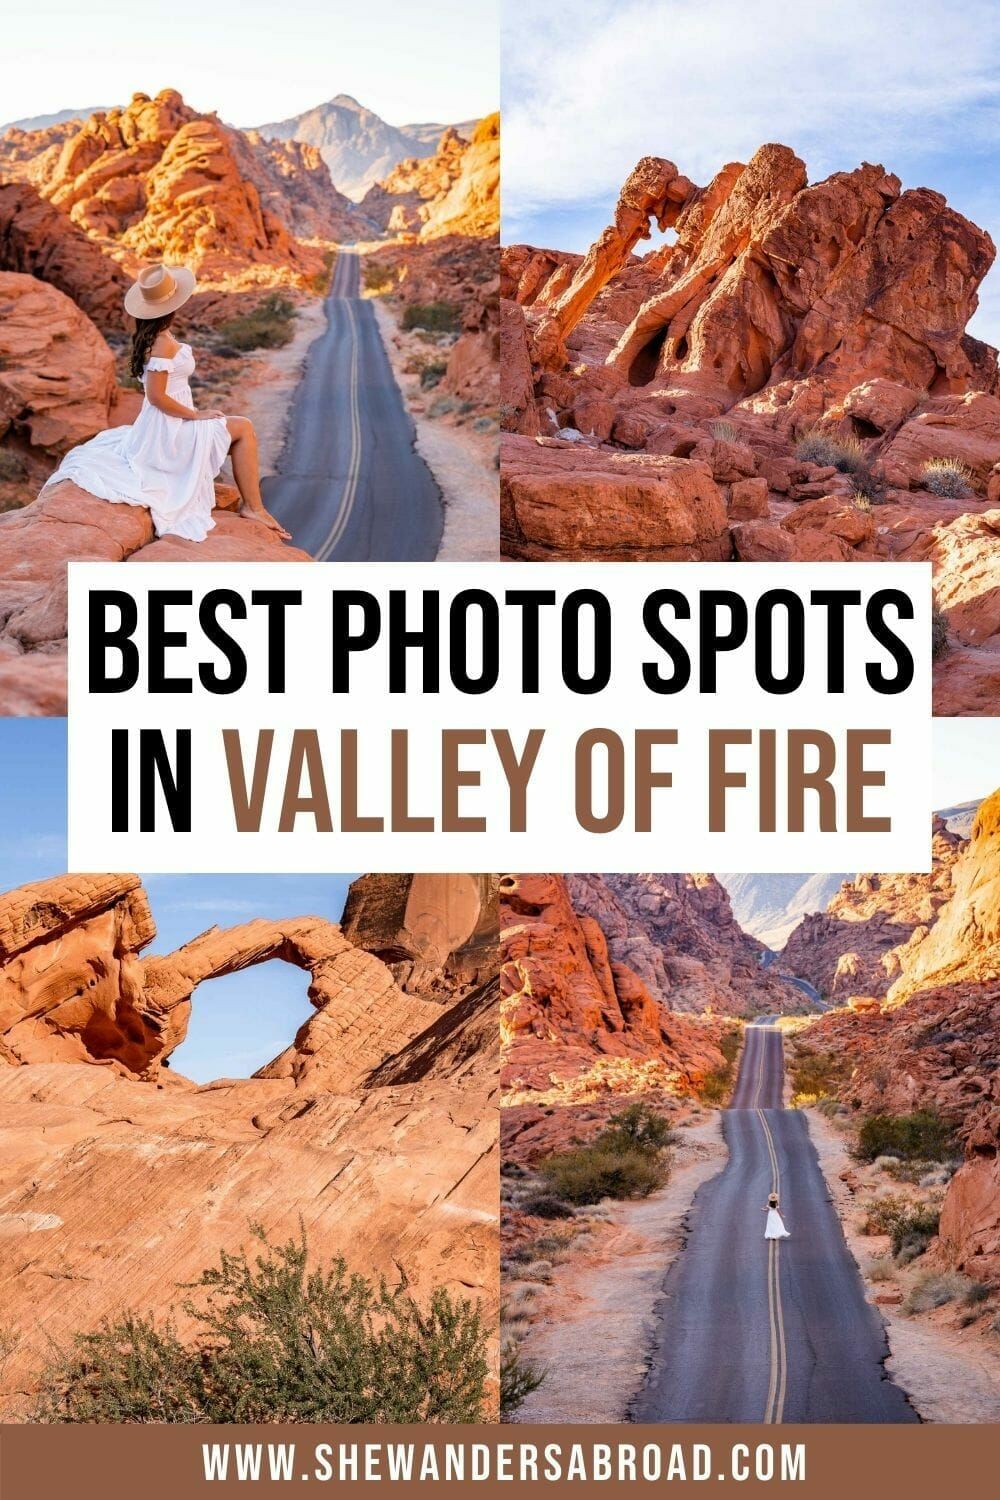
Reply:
x=774, y=1229
x=168, y=459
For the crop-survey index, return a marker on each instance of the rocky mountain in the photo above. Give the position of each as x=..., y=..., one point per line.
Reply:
x=935, y=1042
x=158, y=180
x=376, y=1128
x=357, y=145
x=771, y=384
x=617, y=985
x=770, y=906
x=60, y=117
x=454, y=191
x=961, y=817
x=580, y=1030
x=859, y=944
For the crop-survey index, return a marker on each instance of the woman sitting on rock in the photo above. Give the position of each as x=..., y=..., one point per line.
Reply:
x=168, y=459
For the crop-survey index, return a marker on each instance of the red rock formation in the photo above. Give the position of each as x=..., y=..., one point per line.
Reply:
x=377, y=1130
x=781, y=307
x=860, y=944
x=157, y=180
x=67, y=525
x=57, y=374
x=37, y=240
x=935, y=1043
x=431, y=931
x=455, y=191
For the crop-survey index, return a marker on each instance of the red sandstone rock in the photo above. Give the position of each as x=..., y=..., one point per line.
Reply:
x=68, y=525
x=57, y=377
x=559, y=502
x=37, y=240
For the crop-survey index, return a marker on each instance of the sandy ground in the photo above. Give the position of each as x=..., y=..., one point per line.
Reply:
x=462, y=462
x=598, y=1314
x=948, y=1375
x=264, y=390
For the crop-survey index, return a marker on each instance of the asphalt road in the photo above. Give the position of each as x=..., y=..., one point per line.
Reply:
x=350, y=485
x=757, y=1331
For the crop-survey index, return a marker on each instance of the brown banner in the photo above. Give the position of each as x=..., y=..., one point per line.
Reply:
x=172, y=1463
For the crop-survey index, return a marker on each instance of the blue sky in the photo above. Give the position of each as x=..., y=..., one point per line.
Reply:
x=237, y=1023
x=590, y=86
x=254, y=61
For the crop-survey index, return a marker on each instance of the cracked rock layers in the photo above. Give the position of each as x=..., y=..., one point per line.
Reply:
x=377, y=1127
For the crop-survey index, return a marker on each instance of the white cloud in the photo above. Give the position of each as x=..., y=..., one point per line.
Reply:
x=590, y=87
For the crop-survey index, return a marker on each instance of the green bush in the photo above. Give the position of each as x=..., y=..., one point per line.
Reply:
x=844, y=453
x=518, y=1378
x=637, y=1126
x=947, y=477
x=545, y=1206
x=934, y=1289
x=432, y=373
x=321, y=281
x=278, y=1342
x=940, y=638
x=376, y=276
x=586, y=1174
x=921, y=1136
x=816, y=1075
x=268, y=326
x=910, y=1226
x=436, y=317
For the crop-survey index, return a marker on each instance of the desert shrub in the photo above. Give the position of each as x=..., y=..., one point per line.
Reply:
x=432, y=373
x=921, y=1136
x=868, y=490
x=12, y=466
x=816, y=1075
x=844, y=453
x=546, y=1206
x=519, y=1376
x=934, y=1289
x=947, y=477
x=586, y=1174
x=940, y=638
x=268, y=326
x=436, y=317
x=716, y=1084
x=977, y=1293
x=321, y=281
x=637, y=1125
x=376, y=277
x=278, y=1342
x=881, y=1270
x=725, y=432
x=910, y=1226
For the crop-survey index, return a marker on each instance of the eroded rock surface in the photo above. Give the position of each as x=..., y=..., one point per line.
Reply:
x=376, y=1129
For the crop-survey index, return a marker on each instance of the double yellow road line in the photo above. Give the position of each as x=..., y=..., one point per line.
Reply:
x=778, y=1383
x=350, y=491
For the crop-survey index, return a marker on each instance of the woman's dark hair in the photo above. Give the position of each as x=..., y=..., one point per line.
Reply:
x=146, y=330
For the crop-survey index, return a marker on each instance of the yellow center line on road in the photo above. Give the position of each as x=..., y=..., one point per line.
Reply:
x=350, y=490
x=778, y=1383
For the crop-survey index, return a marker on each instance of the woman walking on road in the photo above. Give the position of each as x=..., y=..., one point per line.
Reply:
x=775, y=1226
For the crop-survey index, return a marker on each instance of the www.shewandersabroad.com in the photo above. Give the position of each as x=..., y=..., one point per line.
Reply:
x=510, y=1462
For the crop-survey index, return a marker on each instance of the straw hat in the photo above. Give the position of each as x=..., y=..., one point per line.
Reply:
x=159, y=290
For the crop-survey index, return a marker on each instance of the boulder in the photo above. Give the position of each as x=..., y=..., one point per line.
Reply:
x=557, y=501
x=57, y=374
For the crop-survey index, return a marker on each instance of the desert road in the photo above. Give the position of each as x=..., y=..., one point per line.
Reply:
x=350, y=485
x=757, y=1331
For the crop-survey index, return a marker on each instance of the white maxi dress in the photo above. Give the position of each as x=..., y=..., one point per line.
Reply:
x=164, y=463
x=775, y=1227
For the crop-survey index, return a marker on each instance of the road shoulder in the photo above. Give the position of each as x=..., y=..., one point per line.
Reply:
x=599, y=1311
x=469, y=484
x=945, y=1377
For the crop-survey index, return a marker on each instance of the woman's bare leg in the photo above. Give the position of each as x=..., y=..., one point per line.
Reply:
x=246, y=471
